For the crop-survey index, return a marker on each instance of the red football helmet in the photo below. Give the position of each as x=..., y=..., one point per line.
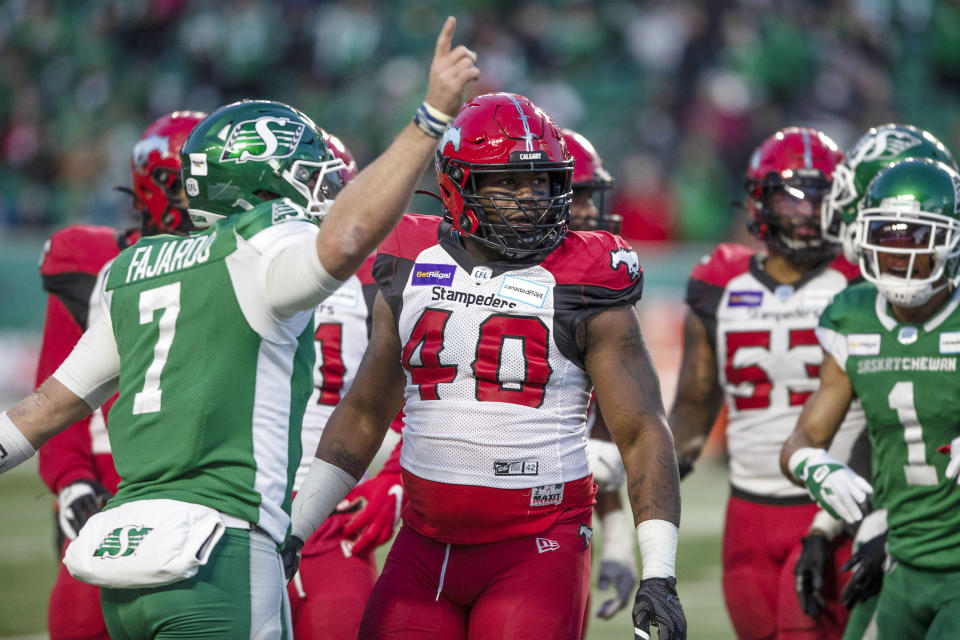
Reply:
x=155, y=163
x=505, y=133
x=589, y=176
x=341, y=151
x=788, y=176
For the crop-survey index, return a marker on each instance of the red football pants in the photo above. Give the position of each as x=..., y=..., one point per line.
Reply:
x=530, y=587
x=761, y=544
x=335, y=589
x=74, y=612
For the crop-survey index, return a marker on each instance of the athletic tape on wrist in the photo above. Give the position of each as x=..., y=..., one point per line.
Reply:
x=322, y=490
x=14, y=447
x=615, y=529
x=431, y=120
x=658, y=548
x=830, y=526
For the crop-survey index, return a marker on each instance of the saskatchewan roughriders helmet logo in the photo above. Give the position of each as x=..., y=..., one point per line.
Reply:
x=122, y=542
x=262, y=139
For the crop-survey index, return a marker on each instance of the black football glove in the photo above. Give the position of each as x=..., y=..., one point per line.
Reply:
x=78, y=502
x=867, y=565
x=657, y=603
x=809, y=571
x=685, y=466
x=623, y=579
x=290, y=553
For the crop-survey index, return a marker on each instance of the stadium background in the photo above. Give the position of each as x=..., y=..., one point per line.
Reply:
x=674, y=95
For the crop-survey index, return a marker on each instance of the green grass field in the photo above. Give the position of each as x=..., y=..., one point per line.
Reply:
x=28, y=564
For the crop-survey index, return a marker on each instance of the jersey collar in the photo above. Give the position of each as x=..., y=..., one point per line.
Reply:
x=764, y=278
x=889, y=322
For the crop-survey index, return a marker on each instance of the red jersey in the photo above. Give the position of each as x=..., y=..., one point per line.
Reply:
x=72, y=259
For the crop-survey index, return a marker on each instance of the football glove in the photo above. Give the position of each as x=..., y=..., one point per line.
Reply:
x=618, y=561
x=684, y=466
x=657, y=603
x=867, y=565
x=376, y=504
x=603, y=457
x=809, y=571
x=290, y=554
x=78, y=502
x=834, y=485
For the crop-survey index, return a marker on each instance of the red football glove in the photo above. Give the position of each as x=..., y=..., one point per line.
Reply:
x=377, y=503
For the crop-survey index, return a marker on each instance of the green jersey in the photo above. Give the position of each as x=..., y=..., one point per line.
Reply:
x=213, y=382
x=906, y=377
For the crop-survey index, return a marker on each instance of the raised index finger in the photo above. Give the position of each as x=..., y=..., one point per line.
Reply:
x=446, y=37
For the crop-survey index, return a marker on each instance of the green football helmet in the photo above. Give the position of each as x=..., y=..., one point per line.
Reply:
x=875, y=150
x=909, y=231
x=252, y=151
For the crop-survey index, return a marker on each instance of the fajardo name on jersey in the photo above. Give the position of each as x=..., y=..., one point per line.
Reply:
x=469, y=299
x=924, y=363
x=173, y=255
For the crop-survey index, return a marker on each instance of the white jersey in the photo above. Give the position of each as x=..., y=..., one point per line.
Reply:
x=768, y=359
x=341, y=330
x=496, y=392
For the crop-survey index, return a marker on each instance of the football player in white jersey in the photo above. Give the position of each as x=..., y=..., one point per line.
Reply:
x=494, y=324
x=749, y=342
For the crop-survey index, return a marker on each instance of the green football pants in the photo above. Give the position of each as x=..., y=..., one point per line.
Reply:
x=239, y=593
x=919, y=604
x=862, y=624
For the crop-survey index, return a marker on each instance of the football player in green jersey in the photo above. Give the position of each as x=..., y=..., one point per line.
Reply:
x=885, y=341
x=877, y=149
x=209, y=340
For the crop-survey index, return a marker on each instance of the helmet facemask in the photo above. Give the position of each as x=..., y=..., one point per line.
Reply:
x=787, y=216
x=513, y=226
x=318, y=183
x=909, y=254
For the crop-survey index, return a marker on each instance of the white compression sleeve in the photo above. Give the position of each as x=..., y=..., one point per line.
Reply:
x=297, y=280
x=322, y=490
x=92, y=369
x=14, y=447
x=658, y=548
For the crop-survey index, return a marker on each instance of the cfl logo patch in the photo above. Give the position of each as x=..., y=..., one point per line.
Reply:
x=545, y=544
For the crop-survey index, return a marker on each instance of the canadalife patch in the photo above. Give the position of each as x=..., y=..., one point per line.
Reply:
x=441, y=274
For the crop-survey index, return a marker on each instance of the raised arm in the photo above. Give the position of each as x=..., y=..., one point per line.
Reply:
x=372, y=203
x=699, y=396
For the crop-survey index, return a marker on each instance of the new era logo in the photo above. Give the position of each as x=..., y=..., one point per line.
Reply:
x=545, y=544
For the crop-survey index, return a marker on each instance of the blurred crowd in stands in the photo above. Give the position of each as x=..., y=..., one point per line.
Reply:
x=674, y=94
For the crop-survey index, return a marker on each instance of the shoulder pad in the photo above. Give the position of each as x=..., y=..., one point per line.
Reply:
x=79, y=249
x=726, y=262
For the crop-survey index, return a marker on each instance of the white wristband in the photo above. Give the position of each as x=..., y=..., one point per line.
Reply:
x=14, y=447
x=658, y=548
x=436, y=114
x=830, y=526
x=322, y=490
x=615, y=529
